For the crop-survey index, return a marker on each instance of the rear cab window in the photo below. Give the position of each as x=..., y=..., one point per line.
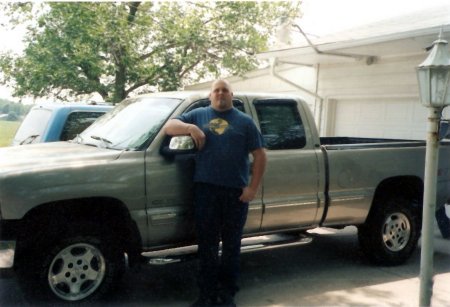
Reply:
x=281, y=124
x=77, y=122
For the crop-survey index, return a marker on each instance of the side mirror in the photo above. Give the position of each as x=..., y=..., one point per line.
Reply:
x=180, y=144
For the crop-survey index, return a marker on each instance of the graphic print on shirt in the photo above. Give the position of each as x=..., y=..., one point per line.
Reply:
x=218, y=126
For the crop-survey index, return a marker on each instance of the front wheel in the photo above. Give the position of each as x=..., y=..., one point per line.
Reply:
x=390, y=233
x=76, y=269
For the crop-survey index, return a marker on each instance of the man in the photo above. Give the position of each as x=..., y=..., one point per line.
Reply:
x=443, y=222
x=224, y=137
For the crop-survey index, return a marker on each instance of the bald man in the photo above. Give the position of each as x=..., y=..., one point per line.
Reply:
x=224, y=137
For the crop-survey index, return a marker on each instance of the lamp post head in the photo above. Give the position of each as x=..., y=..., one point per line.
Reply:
x=433, y=75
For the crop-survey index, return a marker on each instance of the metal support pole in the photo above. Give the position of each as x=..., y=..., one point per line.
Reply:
x=429, y=206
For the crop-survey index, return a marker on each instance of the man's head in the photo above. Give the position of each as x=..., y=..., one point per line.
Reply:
x=221, y=95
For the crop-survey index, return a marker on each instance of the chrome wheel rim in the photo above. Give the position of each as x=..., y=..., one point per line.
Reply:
x=76, y=271
x=396, y=232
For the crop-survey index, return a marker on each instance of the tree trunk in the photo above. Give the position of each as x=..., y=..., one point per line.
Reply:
x=119, y=86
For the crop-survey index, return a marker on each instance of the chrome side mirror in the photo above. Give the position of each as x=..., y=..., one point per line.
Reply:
x=181, y=143
x=179, y=147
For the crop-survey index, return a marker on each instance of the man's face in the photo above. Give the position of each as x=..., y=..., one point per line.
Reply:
x=221, y=96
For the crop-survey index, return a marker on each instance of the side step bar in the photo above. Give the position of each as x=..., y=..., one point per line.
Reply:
x=251, y=244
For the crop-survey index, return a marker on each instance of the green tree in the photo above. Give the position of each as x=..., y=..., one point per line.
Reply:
x=115, y=49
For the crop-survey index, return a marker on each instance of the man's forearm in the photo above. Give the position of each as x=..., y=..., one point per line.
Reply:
x=177, y=127
x=259, y=166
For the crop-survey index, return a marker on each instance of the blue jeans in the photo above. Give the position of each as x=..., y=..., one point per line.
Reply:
x=220, y=216
x=443, y=222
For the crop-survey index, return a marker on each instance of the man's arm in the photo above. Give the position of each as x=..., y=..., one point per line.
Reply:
x=258, y=168
x=177, y=127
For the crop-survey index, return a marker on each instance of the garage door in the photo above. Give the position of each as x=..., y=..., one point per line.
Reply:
x=403, y=118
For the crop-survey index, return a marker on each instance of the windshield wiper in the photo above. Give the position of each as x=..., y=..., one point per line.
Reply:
x=99, y=138
x=29, y=139
x=95, y=137
x=79, y=140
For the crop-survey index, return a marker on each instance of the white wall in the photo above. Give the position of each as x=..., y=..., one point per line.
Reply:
x=378, y=100
x=263, y=81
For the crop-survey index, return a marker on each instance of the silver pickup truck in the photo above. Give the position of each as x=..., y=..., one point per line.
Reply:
x=77, y=213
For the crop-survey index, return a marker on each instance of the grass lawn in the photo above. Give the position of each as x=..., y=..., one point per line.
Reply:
x=7, y=131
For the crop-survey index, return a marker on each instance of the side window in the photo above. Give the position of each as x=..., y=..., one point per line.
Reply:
x=206, y=102
x=77, y=122
x=281, y=124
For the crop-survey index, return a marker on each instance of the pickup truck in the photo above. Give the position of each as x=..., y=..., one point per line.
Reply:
x=57, y=122
x=77, y=213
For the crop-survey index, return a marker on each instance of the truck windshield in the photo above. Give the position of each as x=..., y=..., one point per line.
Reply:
x=131, y=125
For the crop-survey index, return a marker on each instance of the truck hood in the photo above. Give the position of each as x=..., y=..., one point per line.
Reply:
x=35, y=156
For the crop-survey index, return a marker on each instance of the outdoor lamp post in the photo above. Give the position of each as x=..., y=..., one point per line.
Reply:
x=433, y=76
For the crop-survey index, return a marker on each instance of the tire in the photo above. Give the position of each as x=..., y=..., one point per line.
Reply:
x=391, y=232
x=78, y=268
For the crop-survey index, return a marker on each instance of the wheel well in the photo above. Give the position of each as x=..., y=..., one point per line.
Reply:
x=410, y=187
x=111, y=216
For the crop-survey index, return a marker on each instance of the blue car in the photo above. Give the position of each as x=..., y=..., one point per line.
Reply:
x=57, y=122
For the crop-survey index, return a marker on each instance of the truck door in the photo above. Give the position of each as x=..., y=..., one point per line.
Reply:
x=291, y=181
x=170, y=193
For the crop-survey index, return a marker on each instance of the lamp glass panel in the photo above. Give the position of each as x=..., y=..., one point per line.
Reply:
x=439, y=91
x=423, y=77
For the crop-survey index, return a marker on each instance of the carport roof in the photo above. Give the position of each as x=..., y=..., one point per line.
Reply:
x=405, y=35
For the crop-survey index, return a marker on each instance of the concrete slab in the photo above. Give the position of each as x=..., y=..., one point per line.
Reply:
x=340, y=277
x=328, y=272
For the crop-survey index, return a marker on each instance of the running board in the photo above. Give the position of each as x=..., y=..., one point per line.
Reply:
x=251, y=244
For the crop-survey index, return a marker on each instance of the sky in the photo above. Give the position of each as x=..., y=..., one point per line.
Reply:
x=320, y=17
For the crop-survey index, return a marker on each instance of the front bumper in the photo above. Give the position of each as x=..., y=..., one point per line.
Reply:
x=7, y=251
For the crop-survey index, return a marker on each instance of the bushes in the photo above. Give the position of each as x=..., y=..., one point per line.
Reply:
x=12, y=116
x=13, y=110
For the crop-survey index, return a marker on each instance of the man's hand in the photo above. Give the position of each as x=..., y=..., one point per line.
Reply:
x=248, y=194
x=197, y=135
x=259, y=165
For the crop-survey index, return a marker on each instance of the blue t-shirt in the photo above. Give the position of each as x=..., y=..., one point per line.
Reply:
x=230, y=137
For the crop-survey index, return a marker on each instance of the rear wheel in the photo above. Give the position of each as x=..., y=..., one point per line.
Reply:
x=391, y=232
